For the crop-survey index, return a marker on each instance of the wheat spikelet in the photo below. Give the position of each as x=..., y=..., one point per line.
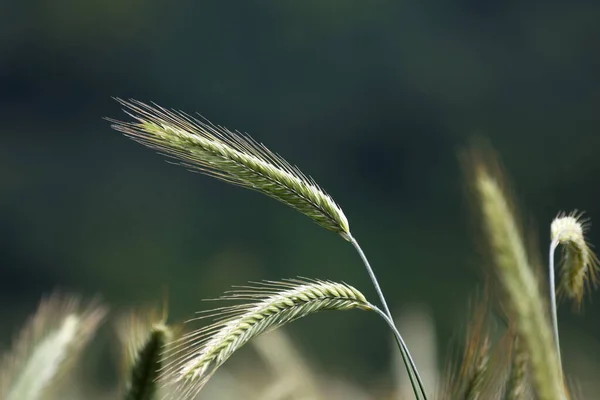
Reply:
x=479, y=371
x=476, y=359
x=517, y=387
x=579, y=265
x=525, y=304
x=143, y=336
x=231, y=157
x=195, y=357
x=47, y=348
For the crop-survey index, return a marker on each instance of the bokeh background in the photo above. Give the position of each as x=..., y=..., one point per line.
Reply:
x=373, y=99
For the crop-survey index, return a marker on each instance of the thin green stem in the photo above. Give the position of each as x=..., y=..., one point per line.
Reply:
x=406, y=357
x=554, y=313
x=413, y=373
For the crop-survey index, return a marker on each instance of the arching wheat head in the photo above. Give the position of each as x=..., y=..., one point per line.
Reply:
x=195, y=357
x=579, y=265
x=231, y=157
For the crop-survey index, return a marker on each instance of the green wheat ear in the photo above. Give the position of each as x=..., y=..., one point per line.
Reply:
x=526, y=306
x=143, y=336
x=231, y=157
x=48, y=347
x=479, y=374
x=517, y=385
x=194, y=358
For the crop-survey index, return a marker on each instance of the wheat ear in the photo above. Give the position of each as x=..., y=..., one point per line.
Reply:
x=231, y=157
x=476, y=359
x=47, y=348
x=516, y=386
x=579, y=265
x=238, y=159
x=143, y=335
x=197, y=355
x=477, y=375
x=526, y=305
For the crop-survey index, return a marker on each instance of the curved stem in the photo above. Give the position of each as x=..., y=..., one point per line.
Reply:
x=554, y=313
x=406, y=357
x=413, y=373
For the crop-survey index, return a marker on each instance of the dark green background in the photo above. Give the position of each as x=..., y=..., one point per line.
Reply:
x=372, y=98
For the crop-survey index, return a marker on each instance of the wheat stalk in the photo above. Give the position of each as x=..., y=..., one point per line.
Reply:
x=197, y=356
x=238, y=159
x=47, y=348
x=523, y=296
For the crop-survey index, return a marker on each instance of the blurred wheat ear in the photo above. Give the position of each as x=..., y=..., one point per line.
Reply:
x=480, y=373
x=526, y=307
x=231, y=157
x=517, y=385
x=144, y=336
x=269, y=305
x=48, y=347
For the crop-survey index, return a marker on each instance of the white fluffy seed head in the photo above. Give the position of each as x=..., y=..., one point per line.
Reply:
x=568, y=229
x=579, y=265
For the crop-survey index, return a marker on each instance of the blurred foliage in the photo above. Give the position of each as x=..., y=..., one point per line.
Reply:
x=373, y=99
